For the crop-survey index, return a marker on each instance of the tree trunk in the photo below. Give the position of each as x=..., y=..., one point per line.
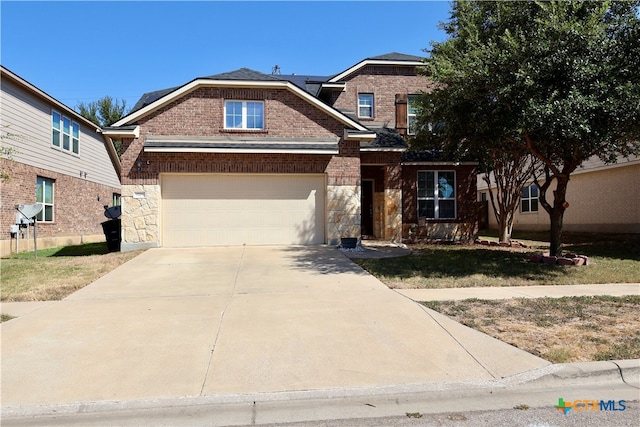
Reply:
x=505, y=226
x=505, y=233
x=556, y=215
x=555, y=246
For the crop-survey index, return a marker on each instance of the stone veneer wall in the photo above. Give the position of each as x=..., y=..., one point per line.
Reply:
x=393, y=214
x=343, y=212
x=140, y=213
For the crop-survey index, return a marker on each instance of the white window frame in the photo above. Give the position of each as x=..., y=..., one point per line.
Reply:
x=435, y=196
x=40, y=199
x=528, y=200
x=410, y=115
x=70, y=136
x=244, y=112
x=361, y=98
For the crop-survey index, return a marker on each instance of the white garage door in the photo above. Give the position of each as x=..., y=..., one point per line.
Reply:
x=221, y=209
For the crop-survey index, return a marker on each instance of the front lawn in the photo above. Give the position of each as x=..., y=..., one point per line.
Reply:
x=560, y=330
x=56, y=272
x=613, y=259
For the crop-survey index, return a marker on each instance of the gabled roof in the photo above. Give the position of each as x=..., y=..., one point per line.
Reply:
x=242, y=78
x=244, y=74
x=393, y=58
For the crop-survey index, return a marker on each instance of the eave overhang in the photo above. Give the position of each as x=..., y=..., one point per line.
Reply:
x=122, y=132
x=426, y=163
x=243, y=145
x=384, y=149
x=365, y=135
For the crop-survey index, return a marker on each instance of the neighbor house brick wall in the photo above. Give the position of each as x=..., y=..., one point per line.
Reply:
x=77, y=210
x=599, y=201
x=384, y=82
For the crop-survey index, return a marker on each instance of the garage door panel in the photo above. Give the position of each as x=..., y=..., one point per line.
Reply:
x=205, y=210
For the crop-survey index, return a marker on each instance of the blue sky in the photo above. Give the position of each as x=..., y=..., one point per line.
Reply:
x=80, y=51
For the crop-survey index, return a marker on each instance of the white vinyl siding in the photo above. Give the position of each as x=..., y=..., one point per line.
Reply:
x=30, y=118
x=237, y=209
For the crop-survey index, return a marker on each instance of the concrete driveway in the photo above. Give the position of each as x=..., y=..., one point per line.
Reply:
x=177, y=323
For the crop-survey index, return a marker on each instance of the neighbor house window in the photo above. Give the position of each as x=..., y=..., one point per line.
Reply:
x=116, y=199
x=437, y=194
x=412, y=111
x=244, y=115
x=44, y=196
x=529, y=201
x=365, y=105
x=65, y=133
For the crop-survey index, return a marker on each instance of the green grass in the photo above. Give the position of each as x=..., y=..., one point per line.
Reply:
x=614, y=259
x=56, y=272
x=86, y=249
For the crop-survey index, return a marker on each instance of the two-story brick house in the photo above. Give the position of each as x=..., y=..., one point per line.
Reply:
x=251, y=158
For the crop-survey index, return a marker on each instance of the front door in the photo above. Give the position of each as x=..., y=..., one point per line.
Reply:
x=367, y=208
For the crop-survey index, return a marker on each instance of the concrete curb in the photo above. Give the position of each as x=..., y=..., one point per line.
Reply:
x=621, y=375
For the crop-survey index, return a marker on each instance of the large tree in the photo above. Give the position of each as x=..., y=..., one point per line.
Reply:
x=560, y=80
x=104, y=112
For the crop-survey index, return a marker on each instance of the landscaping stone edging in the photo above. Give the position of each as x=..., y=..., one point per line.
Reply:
x=568, y=259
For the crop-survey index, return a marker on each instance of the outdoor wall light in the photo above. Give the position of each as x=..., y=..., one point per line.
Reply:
x=139, y=164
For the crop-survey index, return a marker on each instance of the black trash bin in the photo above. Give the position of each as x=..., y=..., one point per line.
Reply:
x=111, y=230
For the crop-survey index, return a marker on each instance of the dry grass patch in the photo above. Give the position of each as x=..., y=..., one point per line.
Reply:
x=58, y=272
x=560, y=330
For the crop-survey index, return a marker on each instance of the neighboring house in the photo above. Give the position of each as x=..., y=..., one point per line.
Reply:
x=602, y=198
x=60, y=160
x=250, y=158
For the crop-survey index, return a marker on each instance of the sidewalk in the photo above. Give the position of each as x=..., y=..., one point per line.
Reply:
x=508, y=292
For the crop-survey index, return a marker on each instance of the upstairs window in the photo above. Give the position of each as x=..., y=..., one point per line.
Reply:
x=412, y=111
x=437, y=194
x=44, y=196
x=529, y=201
x=65, y=133
x=365, y=105
x=247, y=115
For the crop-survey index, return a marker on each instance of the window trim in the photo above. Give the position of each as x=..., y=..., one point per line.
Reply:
x=361, y=105
x=435, y=196
x=244, y=113
x=72, y=133
x=529, y=198
x=41, y=217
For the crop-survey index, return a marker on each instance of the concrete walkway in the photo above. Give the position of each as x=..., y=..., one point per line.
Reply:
x=508, y=292
x=195, y=323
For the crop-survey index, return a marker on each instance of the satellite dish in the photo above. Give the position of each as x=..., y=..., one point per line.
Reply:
x=113, y=212
x=29, y=211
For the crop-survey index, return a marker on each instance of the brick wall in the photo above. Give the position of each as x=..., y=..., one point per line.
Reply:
x=77, y=210
x=201, y=113
x=384, y=82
